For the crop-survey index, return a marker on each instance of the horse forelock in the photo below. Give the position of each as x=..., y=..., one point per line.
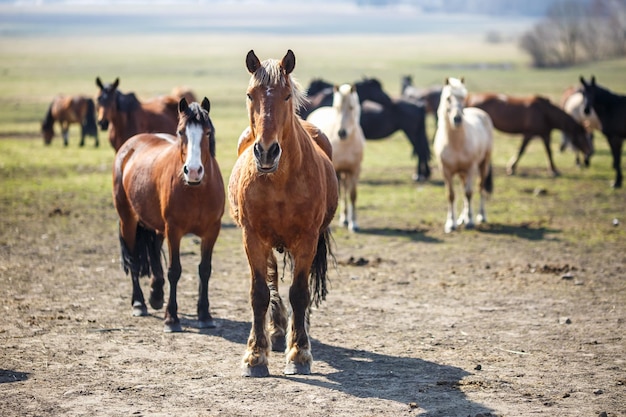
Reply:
x=270, y=73
x=196, y=115
x=456, y=88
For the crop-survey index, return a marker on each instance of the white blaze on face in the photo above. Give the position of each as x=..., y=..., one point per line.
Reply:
x=193, y=171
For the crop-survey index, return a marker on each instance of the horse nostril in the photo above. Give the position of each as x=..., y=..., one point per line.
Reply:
x=186, y=170
x=457, y=120
x=200, y=170
x=342, y=133
x=273, y=151
x=257, y=150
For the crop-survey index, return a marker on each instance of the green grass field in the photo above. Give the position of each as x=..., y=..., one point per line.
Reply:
x=35, y=68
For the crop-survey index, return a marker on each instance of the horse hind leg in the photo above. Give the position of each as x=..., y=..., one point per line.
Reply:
x=343, y=194
x=486, y=187
x=131, y=263
x=277, y=310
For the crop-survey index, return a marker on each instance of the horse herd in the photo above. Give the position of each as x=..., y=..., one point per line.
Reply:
x=299, y=152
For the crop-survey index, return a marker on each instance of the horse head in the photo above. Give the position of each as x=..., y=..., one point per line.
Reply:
x=371, y=89
x=589, y=93
x=197, y=138
x=106, y=102
x=346, y=103
x=453, y=95
x=272, y=100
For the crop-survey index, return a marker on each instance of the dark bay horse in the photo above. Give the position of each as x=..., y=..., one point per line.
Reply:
x=283, y=193
x=124, y=115
x=531, y=116
x=611, y=111
x=163, y=188
x=67, y=110
x=381, y=116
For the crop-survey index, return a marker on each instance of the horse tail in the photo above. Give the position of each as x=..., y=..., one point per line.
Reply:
x=319, y=268
x=489, y=179
x=89, y=123
x=147, y=255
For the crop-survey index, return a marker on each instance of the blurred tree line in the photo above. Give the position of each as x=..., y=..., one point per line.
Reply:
x=577, y=31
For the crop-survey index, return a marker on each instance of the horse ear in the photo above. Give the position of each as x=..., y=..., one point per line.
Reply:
x=335, y=88
x=116, y=82
x=99, y=83
x=288, y=63
x=462, y=80
x=182, y=105
x=206, y=104
x=582, y=81
x=252, y=62
x=593, y=80
x=446, y=81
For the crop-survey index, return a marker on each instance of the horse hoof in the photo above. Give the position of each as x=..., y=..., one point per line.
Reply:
x=259, y=371
x=139, y=310
x=156, y=303
x=279, y=344
x=172, y=328
x=206, y=324
x=294, y=368
x=470, y=226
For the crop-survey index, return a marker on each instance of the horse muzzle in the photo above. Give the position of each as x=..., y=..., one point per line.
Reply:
x=104, y=124
x=343, y=134
x=267, y=159
x=193, y=176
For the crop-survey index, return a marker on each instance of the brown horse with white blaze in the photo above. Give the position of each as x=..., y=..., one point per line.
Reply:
x=124, y=115
x=163, y=188
x=283, y=193
x=531, y=116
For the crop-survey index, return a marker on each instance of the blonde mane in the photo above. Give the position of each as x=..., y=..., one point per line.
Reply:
x=270, y=73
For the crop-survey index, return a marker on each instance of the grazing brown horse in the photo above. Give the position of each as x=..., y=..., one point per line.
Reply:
x=283, y=194
x=68, y=110
x=163, y=188
x=128, y=116
x=531, y=116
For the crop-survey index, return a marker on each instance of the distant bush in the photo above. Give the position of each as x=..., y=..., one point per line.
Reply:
x=577, y=31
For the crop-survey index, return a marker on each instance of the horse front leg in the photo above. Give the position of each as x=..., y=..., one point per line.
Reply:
x=255, y=359
x=450, y=224
x=551, y=167
x=205, y=321
x=298, y=353
x=172, y=322
x=512, y=164
x=278, y=312
x=343, y=212
x=351, y=181
x=616, y=149
x=82, y=136
x=65, y=128
x=467, y=216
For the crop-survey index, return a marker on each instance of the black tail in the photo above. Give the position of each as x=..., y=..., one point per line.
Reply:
x=147, y=256
x=89, y=124
x=489, y=180
x=319, y=268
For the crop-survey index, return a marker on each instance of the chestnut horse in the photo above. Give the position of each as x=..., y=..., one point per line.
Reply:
x=128, y=116
x=283, y=194
x=341, y=124
x=463, y=145
x=531, y=116
x=163, y=188
x=67, y=110
x=611, y=111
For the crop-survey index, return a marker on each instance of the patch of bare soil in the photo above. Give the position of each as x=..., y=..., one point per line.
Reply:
x=491, y=322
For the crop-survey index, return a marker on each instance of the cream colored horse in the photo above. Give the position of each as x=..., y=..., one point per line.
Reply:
x=341, y=123
x=463, y=146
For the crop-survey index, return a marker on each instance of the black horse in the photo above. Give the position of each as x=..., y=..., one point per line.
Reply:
x=611, y=110
x=381, y=116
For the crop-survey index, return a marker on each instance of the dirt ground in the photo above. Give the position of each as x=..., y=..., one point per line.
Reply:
x=503, y=321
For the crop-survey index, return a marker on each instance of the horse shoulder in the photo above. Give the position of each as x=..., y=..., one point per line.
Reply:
x=245, y=139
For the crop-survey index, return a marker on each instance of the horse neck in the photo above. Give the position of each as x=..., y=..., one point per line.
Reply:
x=294, y=144
x=559, y=119
x=48, y=121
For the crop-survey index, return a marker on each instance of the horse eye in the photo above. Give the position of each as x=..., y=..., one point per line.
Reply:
x=288, y=97
x=249, y=97
x=181, y=133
